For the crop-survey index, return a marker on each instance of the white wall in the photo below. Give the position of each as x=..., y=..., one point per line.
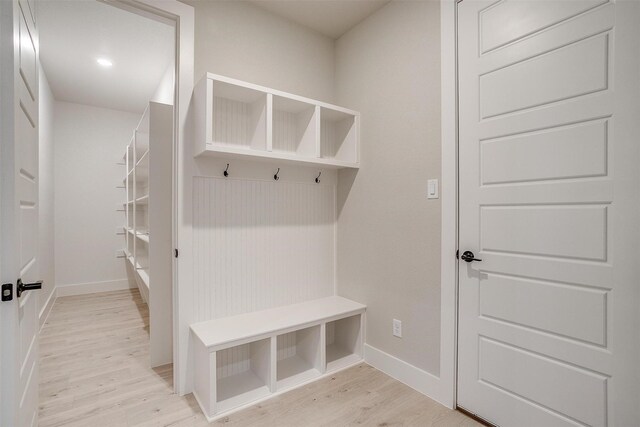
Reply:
x=388, y=68
x=46, y=260
x=239, y=40
x=88, y=143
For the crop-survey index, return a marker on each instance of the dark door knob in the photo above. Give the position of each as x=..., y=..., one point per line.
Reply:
x=27, y=286
x=468, y=256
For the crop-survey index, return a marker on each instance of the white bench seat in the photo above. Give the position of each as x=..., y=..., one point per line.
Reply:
x=249, y=357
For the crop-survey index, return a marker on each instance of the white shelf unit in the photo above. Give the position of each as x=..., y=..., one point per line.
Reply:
x=148, y=213
x=242, y=359
x=240, y=120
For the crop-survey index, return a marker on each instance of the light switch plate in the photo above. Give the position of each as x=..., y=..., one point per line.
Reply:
x=432, y=189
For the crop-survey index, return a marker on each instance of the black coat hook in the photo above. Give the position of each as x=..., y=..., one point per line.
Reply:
x=276, y=177
x=318, y=177
x=226, y=171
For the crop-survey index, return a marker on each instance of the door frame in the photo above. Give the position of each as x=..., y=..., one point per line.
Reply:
x=182, y=17
x=449, y=204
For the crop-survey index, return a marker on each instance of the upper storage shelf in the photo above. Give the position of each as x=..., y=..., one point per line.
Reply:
x=235, y=119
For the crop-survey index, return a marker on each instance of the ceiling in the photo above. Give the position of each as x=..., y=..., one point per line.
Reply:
x=332, y=18
x=75, y=33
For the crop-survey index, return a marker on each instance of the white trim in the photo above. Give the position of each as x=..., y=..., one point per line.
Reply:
x=416, y=378
x=94, y=287
x=44, y=313
x=449, y=232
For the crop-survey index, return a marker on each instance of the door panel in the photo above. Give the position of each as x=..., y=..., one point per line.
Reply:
x=531, y=17
x=578, y=232
x=545, y=155
x=541, y=305
x=557, y=386
x=570, y=71
x=549, y=203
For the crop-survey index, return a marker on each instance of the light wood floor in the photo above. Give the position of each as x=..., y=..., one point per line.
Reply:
x=94, y=372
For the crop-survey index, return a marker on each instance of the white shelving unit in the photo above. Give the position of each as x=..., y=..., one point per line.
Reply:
x=242, y=359
x=148, y=213
x=240, y=120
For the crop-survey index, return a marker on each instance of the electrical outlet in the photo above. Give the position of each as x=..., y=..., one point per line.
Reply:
x=397, y=328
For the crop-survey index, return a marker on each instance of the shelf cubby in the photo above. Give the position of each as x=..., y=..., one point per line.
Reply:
x=344, y=342
x=299, y=357
x=242, y=374
x=338, y=135
x=294, y=127
x=239, y=116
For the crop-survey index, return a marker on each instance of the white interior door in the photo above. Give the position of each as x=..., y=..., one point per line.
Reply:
x=19, y=211
x=549, y=143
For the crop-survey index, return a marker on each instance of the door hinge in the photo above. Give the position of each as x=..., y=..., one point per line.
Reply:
x=175, y=253
x=7, y=292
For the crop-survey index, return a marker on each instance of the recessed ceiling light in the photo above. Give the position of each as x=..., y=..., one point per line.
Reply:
x=104, y=62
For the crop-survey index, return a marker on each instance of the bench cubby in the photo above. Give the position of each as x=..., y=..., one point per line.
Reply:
x=299, y=357
x=343, y=342
x=243, y=374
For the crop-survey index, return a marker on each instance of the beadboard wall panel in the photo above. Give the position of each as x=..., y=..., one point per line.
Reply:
x=231, y=122
x=261, y=244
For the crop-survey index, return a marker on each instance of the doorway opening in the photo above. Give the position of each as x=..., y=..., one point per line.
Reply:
x=107, y=142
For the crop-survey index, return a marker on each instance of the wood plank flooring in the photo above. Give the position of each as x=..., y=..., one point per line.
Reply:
x=94, y=371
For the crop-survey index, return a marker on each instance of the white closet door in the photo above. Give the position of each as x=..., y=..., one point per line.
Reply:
x=549, y=201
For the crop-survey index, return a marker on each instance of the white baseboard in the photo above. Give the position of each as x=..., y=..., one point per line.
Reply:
x=44, y=313
x=94, y=287
x=416, y=378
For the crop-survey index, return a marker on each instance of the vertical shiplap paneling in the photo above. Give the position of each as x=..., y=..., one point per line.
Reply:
x=261, y=244
x=231, y=122
x=233, y=361
x=287, y=345
x=285, y=131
